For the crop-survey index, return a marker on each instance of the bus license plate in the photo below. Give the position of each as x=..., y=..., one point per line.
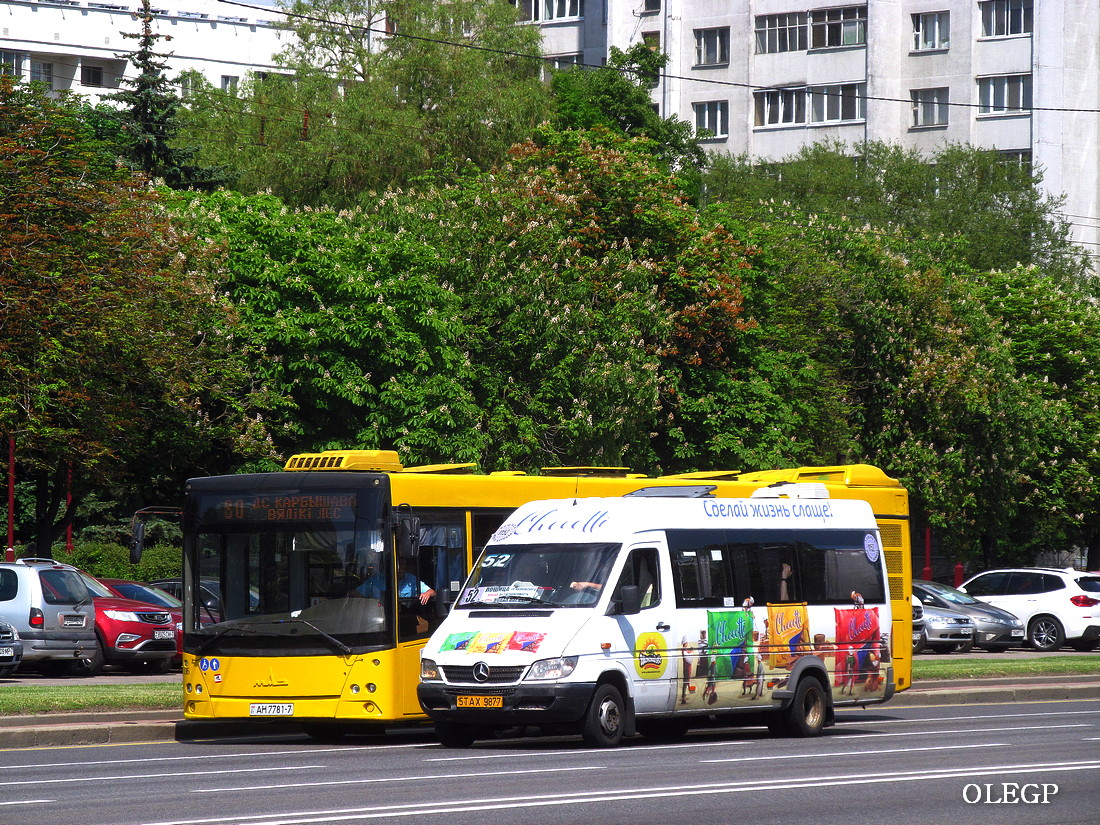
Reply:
x=271, y=709
x=480, y=702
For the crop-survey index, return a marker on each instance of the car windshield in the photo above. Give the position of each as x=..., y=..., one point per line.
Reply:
x=141, y=593
x=558, y=575
x=950, y=594
x=97, y=588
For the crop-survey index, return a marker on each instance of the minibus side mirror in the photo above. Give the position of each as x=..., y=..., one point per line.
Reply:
x=630, y=599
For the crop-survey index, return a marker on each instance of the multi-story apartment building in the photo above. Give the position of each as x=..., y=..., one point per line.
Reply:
x=755, y=77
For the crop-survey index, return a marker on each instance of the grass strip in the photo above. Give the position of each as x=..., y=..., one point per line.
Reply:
x=16, y=699
x=927, y=668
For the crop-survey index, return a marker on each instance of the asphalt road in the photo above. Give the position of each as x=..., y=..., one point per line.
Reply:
x=924, y=765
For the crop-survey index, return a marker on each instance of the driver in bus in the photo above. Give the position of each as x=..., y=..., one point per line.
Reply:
x=408, y=585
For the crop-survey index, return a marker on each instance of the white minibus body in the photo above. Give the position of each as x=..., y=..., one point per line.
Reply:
x=648, y=614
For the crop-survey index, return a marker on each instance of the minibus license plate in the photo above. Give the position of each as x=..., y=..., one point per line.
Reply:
x=271, y=709
x=480, y=702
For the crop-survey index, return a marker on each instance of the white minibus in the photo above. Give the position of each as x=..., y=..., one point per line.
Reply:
x=665, y=609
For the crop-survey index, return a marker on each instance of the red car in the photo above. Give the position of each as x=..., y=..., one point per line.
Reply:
x=151, y=595
x=141, y=637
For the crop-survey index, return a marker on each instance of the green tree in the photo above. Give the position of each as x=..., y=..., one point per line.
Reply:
x=374, y=93
x=991, y=205
x=616, y=96
x=110, y=348
x=147, y=123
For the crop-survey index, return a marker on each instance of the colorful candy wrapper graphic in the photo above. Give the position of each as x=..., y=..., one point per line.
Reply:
x=788, y=632
x=458, y=641
x=857, y=637
x=490, y=643
x=729, y=636
x=522, y=640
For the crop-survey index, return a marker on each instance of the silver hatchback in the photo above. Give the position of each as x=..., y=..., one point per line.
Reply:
x=53, y=613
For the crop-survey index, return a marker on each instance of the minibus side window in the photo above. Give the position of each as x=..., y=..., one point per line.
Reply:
x=641, y=570
x=700, y=572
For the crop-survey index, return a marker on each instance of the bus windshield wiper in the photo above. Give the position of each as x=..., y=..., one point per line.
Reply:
x=343, y=648
x=222, y=631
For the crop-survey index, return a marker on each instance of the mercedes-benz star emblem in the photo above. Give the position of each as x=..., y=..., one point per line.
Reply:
x=481, y=672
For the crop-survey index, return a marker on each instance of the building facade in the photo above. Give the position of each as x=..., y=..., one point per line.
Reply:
x=756, y=77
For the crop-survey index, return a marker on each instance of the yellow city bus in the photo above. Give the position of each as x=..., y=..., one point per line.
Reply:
x=290, y=608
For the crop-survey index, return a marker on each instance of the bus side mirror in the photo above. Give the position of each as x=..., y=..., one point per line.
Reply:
x=137, y=542
x=630, y=599
x=408, y=536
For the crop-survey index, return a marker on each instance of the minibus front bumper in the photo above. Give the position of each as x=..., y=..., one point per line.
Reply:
x=534, y=704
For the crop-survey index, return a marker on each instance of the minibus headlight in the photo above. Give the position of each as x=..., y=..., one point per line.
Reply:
x=552, y=668
x=429, y=671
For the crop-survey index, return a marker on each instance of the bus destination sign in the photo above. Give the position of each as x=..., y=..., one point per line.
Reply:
x=255, y=509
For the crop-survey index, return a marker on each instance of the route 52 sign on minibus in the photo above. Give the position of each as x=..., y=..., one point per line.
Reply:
x=655, y=611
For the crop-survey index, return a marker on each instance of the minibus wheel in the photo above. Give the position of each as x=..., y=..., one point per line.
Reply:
x=805, y=716
x=603, y=722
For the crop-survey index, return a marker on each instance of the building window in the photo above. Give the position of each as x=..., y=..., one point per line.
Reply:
x=712, y=46
x=652, y=41
x=11, y=63
x=532, y=11
x=777, y=107
x=229, y=83
x=1004, y=95
x=651, y=6
x=42, y=72
x=838, y=103
x=1004, y=18
x=91, y=75
x=931, y=31
x=781, y=33
x=712, y=119
x=929, y=107
x=834, y=28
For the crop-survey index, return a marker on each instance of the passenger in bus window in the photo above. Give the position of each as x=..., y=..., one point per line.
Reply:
x=408, y=585
x=786, y=590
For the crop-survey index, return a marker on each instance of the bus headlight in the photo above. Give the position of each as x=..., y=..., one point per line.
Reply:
x=429, y=671
x=552, y=668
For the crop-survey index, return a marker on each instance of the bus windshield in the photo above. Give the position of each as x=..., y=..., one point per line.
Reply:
x=555, y=575
x=286, y=572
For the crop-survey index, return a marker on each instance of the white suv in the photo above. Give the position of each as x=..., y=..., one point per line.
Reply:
x=1057, y=606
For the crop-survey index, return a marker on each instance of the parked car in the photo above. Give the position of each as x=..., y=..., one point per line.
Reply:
x=11, y=649
x=140, y=637
x=137, y=591
x=918, y=624
x=50, y=608
x=211, y=596
x=947, y=631
x=1056, y=605
x=995, y=629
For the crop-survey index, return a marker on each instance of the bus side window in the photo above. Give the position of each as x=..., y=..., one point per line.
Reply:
x=700, y=571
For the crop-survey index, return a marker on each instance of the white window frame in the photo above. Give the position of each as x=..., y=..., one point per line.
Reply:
x=932, y=31
x=837, y=103
x=1008, y=94
x=651, y=7
x=929, y=107
x=778, y=33
x=838, y=28
x=42, y=72
x=780, y=107
x=1007, y=18
x=229, y=83
x=712, y=116
x=11, y=63
x=92, y=73
x=712, y=46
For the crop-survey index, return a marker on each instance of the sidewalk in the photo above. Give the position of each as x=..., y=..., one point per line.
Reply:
x=69, y=729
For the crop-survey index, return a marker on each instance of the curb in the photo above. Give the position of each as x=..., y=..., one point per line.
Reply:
x=166, y=726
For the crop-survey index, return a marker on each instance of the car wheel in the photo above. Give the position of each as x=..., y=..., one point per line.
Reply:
x=964, y=647
x=1045, y=633
x=453, y=735
x=805, y=716
x=91, y=664
x=920, y=644
x=603, y=722
x=1085, y=646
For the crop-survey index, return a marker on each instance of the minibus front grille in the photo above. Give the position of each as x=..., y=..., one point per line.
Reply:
x=496, y=675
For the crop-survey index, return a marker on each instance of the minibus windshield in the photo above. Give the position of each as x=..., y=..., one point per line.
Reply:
x=555, y=575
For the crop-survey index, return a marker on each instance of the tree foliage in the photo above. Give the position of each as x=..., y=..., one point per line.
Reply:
x=108, y=346
x=374, y=93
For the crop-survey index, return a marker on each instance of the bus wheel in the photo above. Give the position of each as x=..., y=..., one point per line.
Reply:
x=805, y=716
x=452, y=735
x=603, y=722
